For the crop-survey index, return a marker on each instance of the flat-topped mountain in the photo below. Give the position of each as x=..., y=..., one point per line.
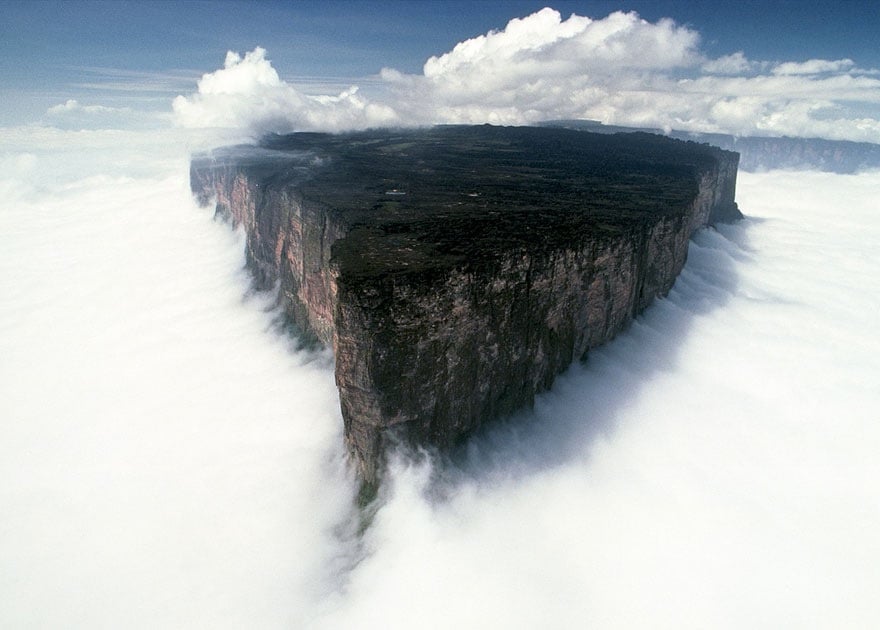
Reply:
x=455, y=271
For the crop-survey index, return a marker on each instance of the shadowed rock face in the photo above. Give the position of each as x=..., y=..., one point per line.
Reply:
x=456, y=271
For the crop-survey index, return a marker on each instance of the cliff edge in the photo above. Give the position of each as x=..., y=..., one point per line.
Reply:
x=456, y=271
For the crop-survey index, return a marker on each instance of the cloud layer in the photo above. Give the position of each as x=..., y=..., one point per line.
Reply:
x=620, y=70
x=167, y=460
x=139, y=489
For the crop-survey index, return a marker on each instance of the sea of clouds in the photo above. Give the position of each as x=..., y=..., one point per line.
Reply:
x=170, y=459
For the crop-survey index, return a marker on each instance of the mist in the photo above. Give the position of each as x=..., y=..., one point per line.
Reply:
x=169, y=458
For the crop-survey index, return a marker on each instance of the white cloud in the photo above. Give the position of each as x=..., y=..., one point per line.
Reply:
x=72, y=105
x=543, y=44
x=624, y=70
x=248, y=94
x=620, y=69
x=73, y=115
x=542, y=67
x=735, y=63
x=814, y=66
x=130, y=477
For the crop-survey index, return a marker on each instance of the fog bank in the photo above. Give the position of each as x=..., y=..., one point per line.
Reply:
x=168, y=459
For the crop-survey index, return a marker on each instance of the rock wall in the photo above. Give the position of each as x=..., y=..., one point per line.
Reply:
x=432, y=354
x=288, y=240
x=434, y=358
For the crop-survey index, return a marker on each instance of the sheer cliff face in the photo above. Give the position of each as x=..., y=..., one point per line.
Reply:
x=288, y=241
x=431, y=345
x=436, y=357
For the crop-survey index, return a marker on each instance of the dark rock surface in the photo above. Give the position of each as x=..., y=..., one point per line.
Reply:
x=456, y=271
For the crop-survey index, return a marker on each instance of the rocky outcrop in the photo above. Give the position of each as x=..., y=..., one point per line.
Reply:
x=457, y=271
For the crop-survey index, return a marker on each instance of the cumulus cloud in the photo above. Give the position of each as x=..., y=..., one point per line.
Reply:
x=543, y=43
x=247, y=93
x=542, y=67
x=620, y=69
x=625, y=70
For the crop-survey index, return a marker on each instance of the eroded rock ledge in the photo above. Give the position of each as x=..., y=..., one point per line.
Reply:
x=456, y=271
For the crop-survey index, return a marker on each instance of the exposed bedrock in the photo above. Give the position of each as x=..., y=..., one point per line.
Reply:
x=457, y=271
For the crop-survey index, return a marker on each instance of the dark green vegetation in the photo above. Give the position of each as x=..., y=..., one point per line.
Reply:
x=422, y=199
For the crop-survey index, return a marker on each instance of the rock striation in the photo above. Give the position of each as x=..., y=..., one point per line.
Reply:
x=456, y=271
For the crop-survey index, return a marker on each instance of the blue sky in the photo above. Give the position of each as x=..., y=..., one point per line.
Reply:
x=357, y=38
x=143, y=53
